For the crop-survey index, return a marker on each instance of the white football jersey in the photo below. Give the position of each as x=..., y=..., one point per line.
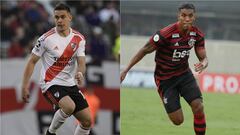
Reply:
x=59, y=55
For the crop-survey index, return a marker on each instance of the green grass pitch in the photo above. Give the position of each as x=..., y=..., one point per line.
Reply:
x=142, y=113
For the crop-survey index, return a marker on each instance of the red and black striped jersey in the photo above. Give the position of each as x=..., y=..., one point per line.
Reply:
x=173, y=50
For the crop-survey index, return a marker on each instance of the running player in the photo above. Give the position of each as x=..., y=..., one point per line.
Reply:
x=172, y=74
x=59, y=49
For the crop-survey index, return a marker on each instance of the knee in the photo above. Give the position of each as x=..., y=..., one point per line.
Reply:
x=176, y=117
x=86, y=123
x=69, y=109
x=197, y=108
x=177, y=121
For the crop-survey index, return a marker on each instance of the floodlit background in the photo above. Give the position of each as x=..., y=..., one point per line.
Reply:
x=142, y=111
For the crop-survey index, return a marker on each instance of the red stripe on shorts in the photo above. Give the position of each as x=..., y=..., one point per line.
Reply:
x=51, y=98
x=160, y=92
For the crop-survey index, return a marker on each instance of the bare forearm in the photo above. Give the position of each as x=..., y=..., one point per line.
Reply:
x=148, y=48
x=81, y=65
x=82, y=69
x=202, y=56
x=27, y=74
x=29, y=69
x=203, y=61
x=135, y=60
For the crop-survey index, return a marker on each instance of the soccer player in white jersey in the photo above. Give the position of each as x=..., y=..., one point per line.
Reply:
x=59, y=49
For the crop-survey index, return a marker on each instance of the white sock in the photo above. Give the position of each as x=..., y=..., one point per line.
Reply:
x=81, y=131
x=58, y=119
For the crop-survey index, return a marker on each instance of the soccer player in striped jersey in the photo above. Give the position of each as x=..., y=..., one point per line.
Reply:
x=173, y=76
x=59, y=49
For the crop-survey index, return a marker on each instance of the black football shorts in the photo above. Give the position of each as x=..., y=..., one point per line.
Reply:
x=184, y=85
x=56, y=92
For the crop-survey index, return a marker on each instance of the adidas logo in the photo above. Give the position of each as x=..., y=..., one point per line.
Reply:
x=55, y=48
x=176, y=44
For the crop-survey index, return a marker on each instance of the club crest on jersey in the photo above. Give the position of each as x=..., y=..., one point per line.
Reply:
x=176, y=35
x=74, y=46
x=57, y=94
x=191, y=42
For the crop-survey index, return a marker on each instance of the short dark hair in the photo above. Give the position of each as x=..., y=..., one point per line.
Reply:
x=187, y=6
x=61, y=6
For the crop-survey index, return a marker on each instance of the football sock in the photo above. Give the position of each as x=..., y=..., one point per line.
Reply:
x=81, y=130
x=199, y=124
x=58, y=119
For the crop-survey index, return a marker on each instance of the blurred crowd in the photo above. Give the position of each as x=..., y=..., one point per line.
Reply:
x=22, y=22
x=217, y=20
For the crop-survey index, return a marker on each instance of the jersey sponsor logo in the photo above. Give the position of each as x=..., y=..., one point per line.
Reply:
x=191, y=42
x=63, y=61
x=193, y=33
x=176, y=35
x=156, y=38
x=177, y=55
x=55, y=48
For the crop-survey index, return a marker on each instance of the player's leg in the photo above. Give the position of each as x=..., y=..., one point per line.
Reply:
x=173, y=107
x=192, y=94
x=199, y=116
x=170, y=96
x=58, y=96
x=66, y=108
x=85, y=119
x=81, y=112
x=176, y=117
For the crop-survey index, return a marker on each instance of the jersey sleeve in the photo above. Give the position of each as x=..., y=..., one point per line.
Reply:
x=81, y=48
x=157, y=39
x=39, y=47
x=200, y=42
x=200, y=39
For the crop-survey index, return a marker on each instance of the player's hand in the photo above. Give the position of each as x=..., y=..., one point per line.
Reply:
x=122, y=76
x=199, y=67
x=79, y=77
x=25, y=95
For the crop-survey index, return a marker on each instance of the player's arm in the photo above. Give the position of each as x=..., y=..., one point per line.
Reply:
x=203, y=61
x=27, y=75
x=148, y=48
x=81, y=69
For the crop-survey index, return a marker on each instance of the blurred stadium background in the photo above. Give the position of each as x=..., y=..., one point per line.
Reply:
x=22, y=22
x=141, y=108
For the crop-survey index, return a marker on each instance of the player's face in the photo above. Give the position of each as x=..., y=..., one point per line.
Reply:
x=62, y=19
x=186, y=17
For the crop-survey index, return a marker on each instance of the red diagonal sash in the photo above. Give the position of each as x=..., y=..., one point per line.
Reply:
x=63, y=60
